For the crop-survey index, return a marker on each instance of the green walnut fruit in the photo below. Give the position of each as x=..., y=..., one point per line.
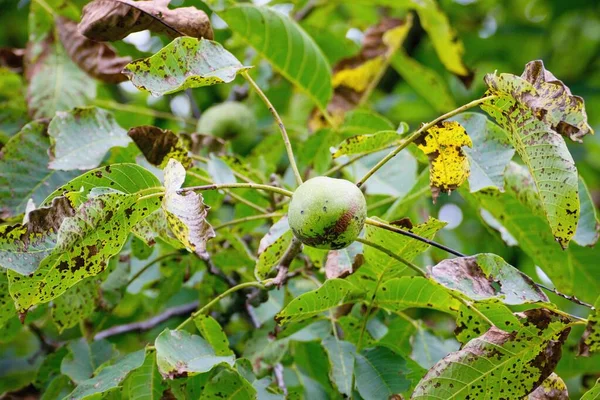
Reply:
x=231, y=121
x=327, y=213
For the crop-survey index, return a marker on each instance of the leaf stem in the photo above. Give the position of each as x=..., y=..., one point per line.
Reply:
x=235, y=173
x=284, y=135
x=113, y=105
x=396, y=257
x=245, y=185
x=246, y=219
x=219, y=298
x=418, y=133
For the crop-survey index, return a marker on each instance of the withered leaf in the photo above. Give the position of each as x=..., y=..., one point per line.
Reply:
x=110, y=20
x=97, y=59
x=590, y=341
x=341, y=263
x=160, y=145
x=12, y=58
x=553, y=388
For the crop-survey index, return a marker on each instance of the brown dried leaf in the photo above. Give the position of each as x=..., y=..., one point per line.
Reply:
x=553, y=388
x=12, y=58
x=341, y=263
x=110, y=20
x=98, y=60
x=590, y=341
x=160, y=145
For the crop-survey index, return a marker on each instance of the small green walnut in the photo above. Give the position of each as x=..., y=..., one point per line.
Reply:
x=327, y=213
x=232, y=121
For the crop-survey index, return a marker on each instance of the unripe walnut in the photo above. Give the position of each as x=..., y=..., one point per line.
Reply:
x=327, y=213
x=231, y=121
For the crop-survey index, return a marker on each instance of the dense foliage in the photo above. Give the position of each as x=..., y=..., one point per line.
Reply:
x=442, y=183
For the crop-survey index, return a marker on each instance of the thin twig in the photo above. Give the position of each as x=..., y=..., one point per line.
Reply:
x=148, y=324
x=246, y=219
x=235, y=173
x=418, y=133
x=142, y=111
x=284, y=135
x=241, y=185
x=216, y=271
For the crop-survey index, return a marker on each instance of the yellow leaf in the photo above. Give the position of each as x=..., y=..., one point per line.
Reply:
x=448, y=164
x=359, y=78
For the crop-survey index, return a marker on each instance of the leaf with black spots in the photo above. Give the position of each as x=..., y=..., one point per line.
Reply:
x=214, y=334
x=485, y=277
x=272, y=247
x=111, y=20
x=81, y=138
x=368, y=143
x=590, y=341
x=186, y=212
x=553, y=388
x=76, y=304
x=185, y=63
x=228, y=384
x=160, y=145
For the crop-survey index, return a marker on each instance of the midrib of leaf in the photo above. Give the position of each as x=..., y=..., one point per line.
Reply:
x=378, y=374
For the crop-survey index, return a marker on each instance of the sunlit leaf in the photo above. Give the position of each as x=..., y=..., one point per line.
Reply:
x=552, y=388
x=8, y=313
x=186, y=212
x=160, y=145
x=490, y=154
x=212, y=332
x=272, y=247
x=110, y=20
x=448, y=164
x=77, y=303
x=523, y=110
x=291, y=51
x=24, y=172
x=367, y=143
x=499, y=362
x=82, y=137
x=178, y=353
x=182, y=64
x=487, y=276
x=593, y=393
x=590, y=341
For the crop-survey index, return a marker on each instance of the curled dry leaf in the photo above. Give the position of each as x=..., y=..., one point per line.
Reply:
x=110, y=20
x=160, y=145
x=98, y=60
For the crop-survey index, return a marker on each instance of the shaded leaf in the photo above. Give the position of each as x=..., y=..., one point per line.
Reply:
x=343, y=262
x=82, y=137
x=108, y=378
x=341, y=358
x=499, y=362
x=183, y=64
x=334, y=292
x=76, y=304
x=272, y=247
x=428, y=349
x=24, y=172
x=291, y=51
x=84, y=358
x=111, y=20
x=487, y=276
x=361, y=121
x=590, y=341
x=186, y=212
x=12, y=59
x=368, y=143
x=20, y=363
x=97, y=59
x=178, y=353
x=56, y=83
x=145, y=382
x=84, y=244
x=380, y=373
x=24, y=246
x=520, y=108
x=553, y=388
x=228, y=384
x=160, y=145
x=212, y=332
x=219, y=170
x=490, y=154
x=588, y=226
x=448, y=164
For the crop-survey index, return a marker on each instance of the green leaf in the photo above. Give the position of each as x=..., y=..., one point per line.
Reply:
x=553, y=387
x=145, y=382
x=593, y=393
x=272, y=247
x=24, y=246
x=160, y=145
x=126, y=178
x=85, y=243
x=212, y=332
x=334, y=292
x=588, y=227
x=490, y=154
x=517, y=108
x=380, y=373
x=185, y=63
x=228, y=384
x=402, y=245
x=57, y=84
x=341, y=357
x=485, y=277
x=179, y=353
x=425, y=81
x=81, y=138
x=499, y=362
x=20, y=361
x=219, y=170
x=368, y=143
x=428, y=349
x=24, y=172
x=186, y=213
x=108, y=378
x=8, y=313
x=291, y=51
x=76, y=304
x=84, y=358
x=590, y=341
x=364, y=121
